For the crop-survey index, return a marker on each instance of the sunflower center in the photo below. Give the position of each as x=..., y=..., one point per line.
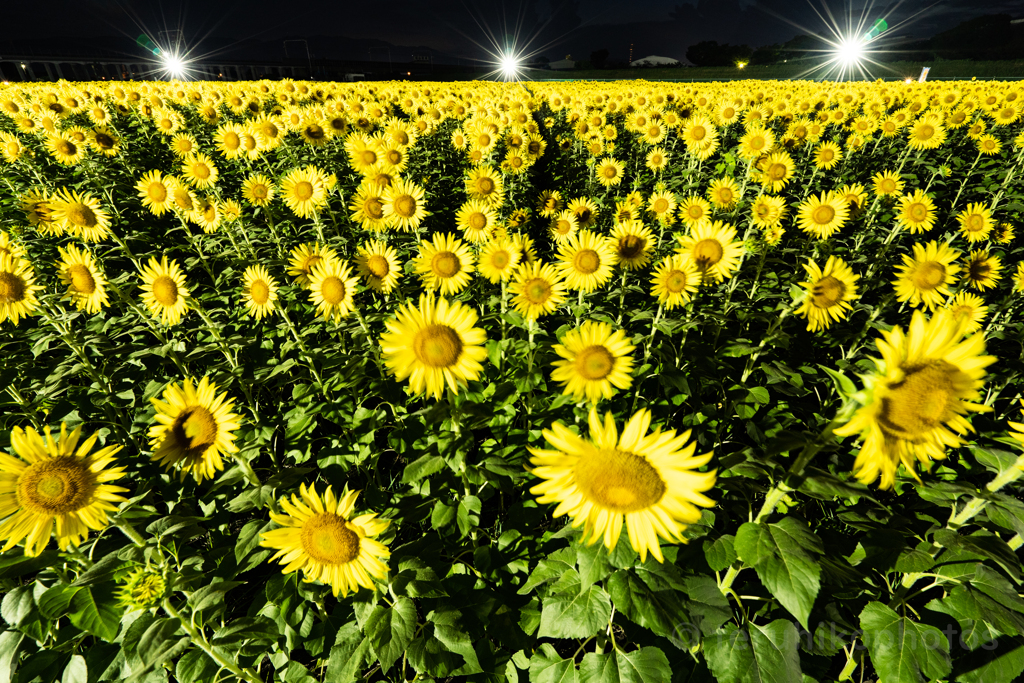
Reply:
x=259, y=292
x=594, y=362
x=827, y=292
x=537, y=290
x=56, y=486
x=920, y=401
x=757, y=143
x=660, y=205
x=975, y=222
x=478, y=221
x=698, y=133
x=231, y=140
x=586, y=261
x=631, y=246
x=81, y=278
x=201, y=171
x=918, y=212
x=724, y=195
x=826, y=154
x=484, y=185
x=925, y=131
x=963, y=311
x=103, y=140
x=929, y=275
x=378, y=266
x=695, y=211
x=777, y=171
x=619, y=481
x=81, y=215
x=259, y=191
x=327, y=539
x=156, y=192
x=12, y=288
x=979, y=270
x=823, y=214
x=708, y=252
x=373, y=208
x=369, y=157
x=66, y=147
x=609, y=171
x=437, y=346
x=194, y=430
x=165, y=291
x=563, y=227
x=887, y=185
x=315, y=132
x=675, y=281
x=304, y=190
x=405, y=206
x=394, y=157
x=445, y=264
x=332, y=289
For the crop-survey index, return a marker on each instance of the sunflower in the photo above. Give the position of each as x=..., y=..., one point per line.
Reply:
x=154, y=192
x=194, y=427
x=828, y=292
x=320, y=536
x=183, y=145
x=596, y=361
x=476, y=219
x=675, y=280
x=368, y=207
x=48, y=484
x=700, y=135
x=767, y=210
x=694, y=210
x=650, y=481
x=303, y=191
x=65, y=150
x=498, y=260
x=1006, y=233
x=755, y=142
x=10, y=248
x=926, y=133
x=609, y=172
x=823, y=216
x=104, y=141
x=86, y=285
x=199, y=171
x=378, y=265
x=207, y=214
x=10, y=147
x=259, y=291
x=633, y=244
x=163, y=290
x=549, y=203
x=585, y=210
x=855, y=196
x=657, y=160
x=331, y=288
x=827, y=155
x=17, y=288
x=228, y=141
x=537, y=289
x=982, y=271
x=887, y=183
x=968, y=309
x=975, y=222
x=183, y=200
x=723, y=192
x=777, y=171
x=484, y=184
x=663, y=206
x=80, y=215
x=586, y=260
x=258, y=190
x=989, y=145
x=925, y=383
x=404, y=207
x=713, y=249
x=446, y=264
x=917, y=212
x=434, y=345
x=563, y=226
x=304, y=257
x=924, y=278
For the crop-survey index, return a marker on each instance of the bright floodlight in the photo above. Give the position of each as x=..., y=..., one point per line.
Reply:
x=173, y=65
x=509, y=67
x=850, y=51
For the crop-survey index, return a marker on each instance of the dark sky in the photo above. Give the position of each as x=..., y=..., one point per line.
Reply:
x=465, y=28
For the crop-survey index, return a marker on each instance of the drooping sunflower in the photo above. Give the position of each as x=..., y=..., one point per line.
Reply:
x=925, y=277
x=829, y=291
x=823, y=216
x=609, y=171
x=303, y=191
x=981, y=270
x=435, y=345
x=713, y=249
x=912, y=408
x=446, y=263
x=104, y=141
x=498, y=259
x=320, y=536
x=154, y=192
x=650, y=482
x=767, y=210
x=827, y=155
x=304, y=257
x=596, y=362
x=675, y=280
x=259, y=291
x=258, y=190
x=917, y=212
x=975, y=222
x=163, y=290
x=537, y=289
x=80, y=215
x=586, y=260
x=549, y=203
x=887, y=183
x=78, y=272
x=485, y=184
x=404, y=207
x=633, y=244
x=723, y=192
x=1006, y=233
x=49, y=485
x=694, y=210
x=856, y=198
x=476, y=219
x=378, y=265
x=194, y=427
x=968, y=309
x=585, y=210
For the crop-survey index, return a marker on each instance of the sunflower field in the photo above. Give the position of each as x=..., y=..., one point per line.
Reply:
x=617, y=382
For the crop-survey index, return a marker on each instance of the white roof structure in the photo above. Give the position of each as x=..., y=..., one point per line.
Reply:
x=562, y=65
x=655, y=60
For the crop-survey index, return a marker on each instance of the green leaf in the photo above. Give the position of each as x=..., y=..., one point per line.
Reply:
x=709, y=609
x=158, y=644
x=593, y=564
x=260, y=629
x=988, y=597
x=211, y=595
x=13, y=566
x=903, y=651
x=755, y=654
x=195, y=666
x=18, y=605
x=720, y=553
x=10, y=641
x=782, y=554
x=96, y=609
x=552, y=567
x=574, y=612
x=442, y=515
x=1003, y=662
x=103, y=570
x=468, y=515
x=391, y=629
x=646, y=665
x=76, y=671
x=55, y=601
x=350, y=652
x=422, y=467
x=547, y=666
x=660, y=611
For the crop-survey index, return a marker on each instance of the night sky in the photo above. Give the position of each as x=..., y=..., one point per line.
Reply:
x=464, y=30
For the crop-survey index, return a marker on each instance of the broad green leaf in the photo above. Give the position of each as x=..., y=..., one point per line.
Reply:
x=574, y=611
x=988, y=597
x=1004, y=661
x=158, y=643
x=547, y=666
x=550, y=568
x=709, y=609
x=422, y=467
x=76, y=671
x=755, y=654
x=720, y=553
x=468, y=515
x=55, y=601
x=195, y=666
x=96, y=609
x=10, y=641
x=18, y=605
x=211, y=595
x=646, y=665
x=13, y=565
x=260, y=629
x=902, y=650
x=592, y=561
x=783, y=555
x=391, y=629
x=350, y=652
x=661, y=611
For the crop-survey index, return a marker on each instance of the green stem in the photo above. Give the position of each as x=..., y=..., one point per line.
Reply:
x=203, y=644
x=302, y=347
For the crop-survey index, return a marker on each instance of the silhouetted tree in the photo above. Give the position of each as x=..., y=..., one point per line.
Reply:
x=710, y=53
x=598, y=58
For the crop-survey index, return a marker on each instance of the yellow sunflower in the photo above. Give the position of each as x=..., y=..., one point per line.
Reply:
x=925, y=277
x=320, y=536
x=485, y=184
x=563, y=226
x=331, y=288
x=586, y=260
x=368, y=207
x=404, y=207
x=981, y=270
x=17, y=288
x=694, y=210
x=609, y=172
x=49, y=484
x=585, y=211
x=926, y=133
x=476, y=219
x=777, y=171
x=199, y=171
x=194, y=427
x=633, y=244
x=65, y=150
x=713, y=249
x=912, y=408
x=537, y=289
x=435, y=345
x=163, y=290
x=304, y=192
x=596, y=362
x=767, y=210
x=723, y=192
x=259, y=291
x=377, y=263
x=823, y=216
x=154, y=192
x=304, y=257
x=662, y=205
x=975, y=222
x=675, y=280
x=887, y=183
x=258, y=190
x=446, y=264
x=917, y=212
x=80, y=215
x=968, y=309
x=78, y=272
x=828, y=292
x=827, y=155
x=649, y=481
x=549, y=203
x=498, y=259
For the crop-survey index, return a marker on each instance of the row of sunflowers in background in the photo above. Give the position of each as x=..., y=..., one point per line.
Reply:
x=546, y=382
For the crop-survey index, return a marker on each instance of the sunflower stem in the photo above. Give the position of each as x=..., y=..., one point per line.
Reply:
x=129, y=531
x=963, y=183
x=203, y=644
x=305, y=351
x=13, y=391
x=622, y=297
